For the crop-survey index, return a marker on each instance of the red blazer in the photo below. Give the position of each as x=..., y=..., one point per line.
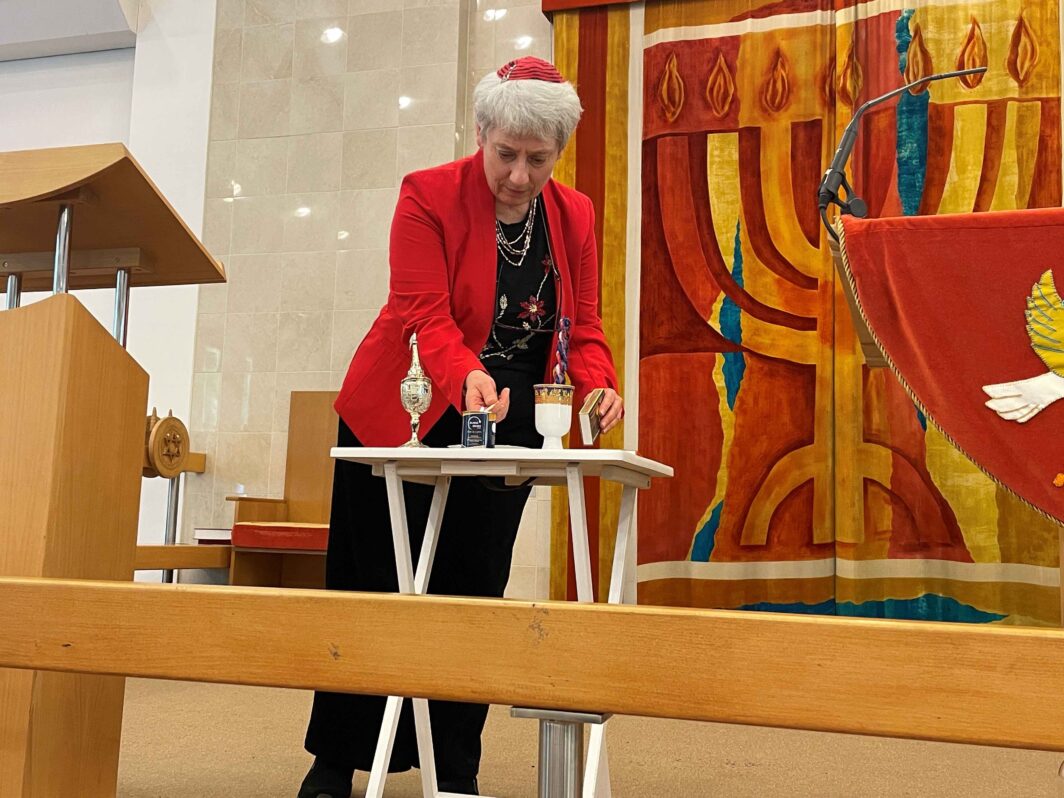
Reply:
x=443, y=267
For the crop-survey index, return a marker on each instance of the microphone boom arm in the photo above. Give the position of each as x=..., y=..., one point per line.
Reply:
x=835, y=176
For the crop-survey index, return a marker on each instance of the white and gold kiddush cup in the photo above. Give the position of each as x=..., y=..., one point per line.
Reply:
x=554, y=412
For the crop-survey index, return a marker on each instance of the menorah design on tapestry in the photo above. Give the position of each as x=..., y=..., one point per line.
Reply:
x=736, y=129
x=751, y=268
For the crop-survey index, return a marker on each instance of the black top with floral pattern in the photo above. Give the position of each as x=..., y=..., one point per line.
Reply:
x=525, y=305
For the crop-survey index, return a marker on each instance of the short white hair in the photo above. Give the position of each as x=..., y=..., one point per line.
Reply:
x=534, y=108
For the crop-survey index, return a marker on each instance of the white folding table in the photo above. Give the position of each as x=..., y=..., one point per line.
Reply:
x=516, y=465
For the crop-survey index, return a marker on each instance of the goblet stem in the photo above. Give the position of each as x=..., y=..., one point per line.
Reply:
x=415, y=424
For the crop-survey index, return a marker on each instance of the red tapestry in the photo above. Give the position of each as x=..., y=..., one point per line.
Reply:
x=966, y=309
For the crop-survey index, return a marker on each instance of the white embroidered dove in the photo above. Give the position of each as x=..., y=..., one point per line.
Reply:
x=1022, y=400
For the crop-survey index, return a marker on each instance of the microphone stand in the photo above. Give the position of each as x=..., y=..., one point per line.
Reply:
x=835, y=176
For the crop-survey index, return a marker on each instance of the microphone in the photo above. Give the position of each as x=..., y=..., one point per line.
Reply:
x=835, y=176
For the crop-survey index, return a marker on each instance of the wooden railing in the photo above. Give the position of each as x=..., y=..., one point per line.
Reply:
x=934, y=681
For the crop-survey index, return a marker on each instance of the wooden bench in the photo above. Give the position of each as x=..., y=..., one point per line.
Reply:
x=282, y=542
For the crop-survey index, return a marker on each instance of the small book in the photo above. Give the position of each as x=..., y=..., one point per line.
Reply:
x=590, y=418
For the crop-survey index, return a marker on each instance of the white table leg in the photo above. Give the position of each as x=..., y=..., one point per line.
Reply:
x=631, y=581
x=432, y=535
x=625, y=528
x=426, y=756
x=593, y=775
x=409, y=584
x=400, y=533
x=421, y=585
x=383, y=754
x=597, y=772
x=578, y=521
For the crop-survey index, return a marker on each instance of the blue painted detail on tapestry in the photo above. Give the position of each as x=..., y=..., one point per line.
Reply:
x=912, y=149
x=911, y=120
x=920, y=418
x=902, y=36
x=823, y=608
x=706, y=537
x=731, y=327
x=928, y=607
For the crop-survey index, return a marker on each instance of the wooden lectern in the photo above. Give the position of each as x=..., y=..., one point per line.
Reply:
x=72, y=428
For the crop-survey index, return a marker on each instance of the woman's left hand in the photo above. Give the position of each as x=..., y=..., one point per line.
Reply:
x=611, y=409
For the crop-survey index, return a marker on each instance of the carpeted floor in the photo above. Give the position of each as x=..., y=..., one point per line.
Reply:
x=187, y=740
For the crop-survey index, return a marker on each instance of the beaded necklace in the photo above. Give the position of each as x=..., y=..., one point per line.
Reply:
x=510, y=248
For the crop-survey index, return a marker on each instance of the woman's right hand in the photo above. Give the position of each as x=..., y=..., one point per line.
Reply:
x=480, y=392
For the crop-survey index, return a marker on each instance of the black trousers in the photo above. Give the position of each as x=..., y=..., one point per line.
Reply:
x=472, y=559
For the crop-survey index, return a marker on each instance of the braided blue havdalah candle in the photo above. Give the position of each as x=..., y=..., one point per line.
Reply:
x=561, y=363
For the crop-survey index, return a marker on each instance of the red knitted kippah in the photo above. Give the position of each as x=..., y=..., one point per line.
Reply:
x=530, y=68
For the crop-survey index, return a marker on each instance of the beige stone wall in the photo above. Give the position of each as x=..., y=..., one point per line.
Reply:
x=319, y=108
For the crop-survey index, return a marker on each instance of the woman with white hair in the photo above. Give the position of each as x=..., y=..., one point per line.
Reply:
x=490, y=258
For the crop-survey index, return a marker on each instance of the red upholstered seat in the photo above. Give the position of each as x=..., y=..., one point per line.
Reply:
x=286, y=535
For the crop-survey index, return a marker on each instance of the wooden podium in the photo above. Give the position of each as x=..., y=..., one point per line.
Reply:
x=72, y=428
